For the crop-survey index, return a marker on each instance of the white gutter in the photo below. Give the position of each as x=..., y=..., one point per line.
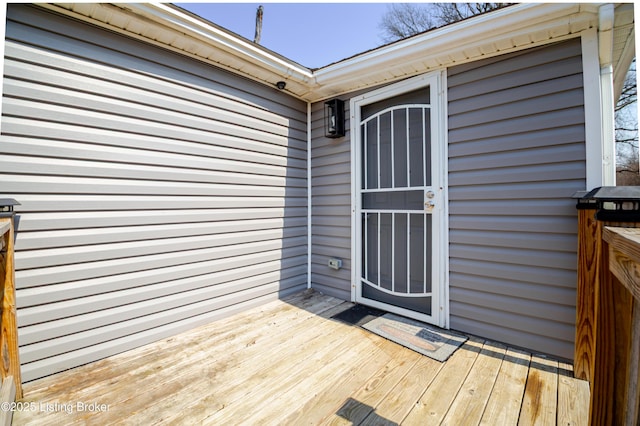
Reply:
x=499, y=32
x=605, y=54
x=172, y=17
x=170, y=27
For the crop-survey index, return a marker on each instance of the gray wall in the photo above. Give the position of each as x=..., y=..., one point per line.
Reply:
x=330, y=206
x=516, y=155
x=158, y=193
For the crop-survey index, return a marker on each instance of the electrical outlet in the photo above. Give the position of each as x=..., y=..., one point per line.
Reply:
x=335, y=263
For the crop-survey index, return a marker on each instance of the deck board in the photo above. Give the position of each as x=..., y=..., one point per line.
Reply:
x=287, y=362
x=337, y=386
x=435, y=402
x=503, y=407
x=363, y=401
x=472, y=398
x=539, y=405
x=400, y=401
x=570, y=406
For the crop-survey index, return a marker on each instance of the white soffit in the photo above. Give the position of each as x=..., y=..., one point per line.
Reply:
x=506, y=30
x=623, y=44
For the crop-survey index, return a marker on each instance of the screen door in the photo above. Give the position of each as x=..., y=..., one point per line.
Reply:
x=397, y=213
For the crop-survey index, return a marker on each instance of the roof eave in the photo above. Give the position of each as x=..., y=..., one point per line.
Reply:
x=171, y=27
x=502, y=31
x=623, y=44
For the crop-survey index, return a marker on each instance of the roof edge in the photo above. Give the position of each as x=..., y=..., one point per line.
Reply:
x=175, y=17
x=171, y=27
x=471, y=34
x=502, y=31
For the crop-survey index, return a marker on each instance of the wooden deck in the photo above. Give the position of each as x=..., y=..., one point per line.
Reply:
x=287, y=363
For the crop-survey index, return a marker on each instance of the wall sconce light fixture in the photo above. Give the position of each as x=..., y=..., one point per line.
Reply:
x=334, y=118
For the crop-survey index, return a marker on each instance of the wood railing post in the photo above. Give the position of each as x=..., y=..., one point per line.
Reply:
x=9, y=358
x=589, y=249
x=633, y=397
x=607, y=346
x=602, y=381
x=614, y=363
x=623, y=268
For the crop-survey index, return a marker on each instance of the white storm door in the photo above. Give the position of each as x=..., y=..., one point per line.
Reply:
x=399, y=197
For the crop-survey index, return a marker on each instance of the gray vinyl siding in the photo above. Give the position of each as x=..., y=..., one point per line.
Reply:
x=330, y=206
x=158, y=193
x=516, y=156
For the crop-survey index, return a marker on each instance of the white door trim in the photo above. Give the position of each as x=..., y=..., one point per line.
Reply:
x=437, y=81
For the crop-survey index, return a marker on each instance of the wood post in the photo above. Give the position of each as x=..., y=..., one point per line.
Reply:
x=602, y=381
x=624, y=269
x=589, y=249
x=9, y=358
x=633, y=397
x=607, y=348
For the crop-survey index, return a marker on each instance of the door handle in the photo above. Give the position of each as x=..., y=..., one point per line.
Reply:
x=429, y=202
x=429, y=205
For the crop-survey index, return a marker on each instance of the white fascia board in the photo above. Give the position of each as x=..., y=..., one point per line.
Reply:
x=480, y=30
x=187, y=24
x=465, y=41
x=164, y=25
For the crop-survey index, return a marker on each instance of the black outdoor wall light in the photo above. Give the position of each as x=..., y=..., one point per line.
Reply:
x=334, y=118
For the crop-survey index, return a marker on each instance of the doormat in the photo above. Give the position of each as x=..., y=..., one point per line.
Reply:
x=428, y=340
x=358, y=315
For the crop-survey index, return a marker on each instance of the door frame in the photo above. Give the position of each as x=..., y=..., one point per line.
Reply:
x=437, y=82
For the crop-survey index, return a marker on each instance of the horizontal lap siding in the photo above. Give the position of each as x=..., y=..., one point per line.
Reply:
x=330, y=207
x=516, y=156
x=158, y=193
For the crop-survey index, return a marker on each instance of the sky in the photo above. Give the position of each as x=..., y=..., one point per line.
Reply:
x=312, y=34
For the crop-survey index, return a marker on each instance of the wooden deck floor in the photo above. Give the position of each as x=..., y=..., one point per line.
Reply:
x=287, y=363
